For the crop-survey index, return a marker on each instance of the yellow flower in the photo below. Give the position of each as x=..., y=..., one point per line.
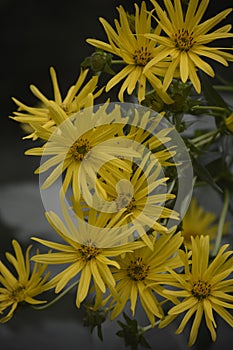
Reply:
x=153, y=133
x=137, y=196
x=136, y=51
x=23, y=288
x=229, y=122
x=139, y=199
x=186, y=40
x=85, y=253
x=204, y=288
x=78, y=96
x=198, y=222
x=79, y=146
x=142, y=273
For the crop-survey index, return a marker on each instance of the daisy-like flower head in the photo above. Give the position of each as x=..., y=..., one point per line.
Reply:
x=78, y=96
x=199, y=222
x=136, y=51
x=23, y=288
x=142, y=274
x=139, y=199
x=80, y=145
x=153, y=133
x=204, y=288
x=186, y=38
x=85, y=253
x=137, y=196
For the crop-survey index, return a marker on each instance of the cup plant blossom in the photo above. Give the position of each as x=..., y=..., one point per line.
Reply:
x=136, y=51
x=79, y=96
x=22, y=286
x=198, y=221
x=86, y=258
x=203, y=287
x=186, y=38
x=132, y=236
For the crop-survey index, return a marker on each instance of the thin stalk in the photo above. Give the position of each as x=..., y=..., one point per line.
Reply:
x=204, y=136
x=204, y=142
x=213, y=108
x=45, y=306
x=203, y=139
x=150, y=92
x=223, y=87
x=221, y=223
x=147, y=328
x=117, y=62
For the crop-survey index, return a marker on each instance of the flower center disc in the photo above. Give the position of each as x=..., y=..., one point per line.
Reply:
x=80, y=148
x=142, y=56
x=131, y=206
x=183, y=40
x=123, y=201
x=88, y=252
x=18, y=294
x=201, y=289
x=187, y=236
x=137, y=271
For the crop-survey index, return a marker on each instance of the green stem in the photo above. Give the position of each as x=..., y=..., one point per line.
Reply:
x=223, y=87
x=117, y=62
x=57, y=298
x=147, y=328
x=221, y=223
x=203, y=139
x=204, y=136
x=150, y=92
x=213, y=108
x=172, y=185
x=204, y=142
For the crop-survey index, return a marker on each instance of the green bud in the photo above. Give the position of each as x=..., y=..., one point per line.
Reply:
x=99, y=61
x=94, y=318
x=180, y=93
x=132, y=333
x=153, y=101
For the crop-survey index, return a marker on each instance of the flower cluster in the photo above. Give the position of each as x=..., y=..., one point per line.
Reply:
x=121, y=181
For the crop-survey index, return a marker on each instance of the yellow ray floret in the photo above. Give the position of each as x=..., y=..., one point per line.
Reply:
x=22, y=287
x=136, y=52
x=142, y=274
x=199, y=222
x=80, y=95
x=204, y=287
x=186, y=39
x=88, y=254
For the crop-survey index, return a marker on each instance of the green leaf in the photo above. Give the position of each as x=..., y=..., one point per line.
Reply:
x=208, y=157
x=95, y=318
x=99, y=332
x=86, y=62
x=132, y=333
x=204, y=175
x=145, y=343
x=108, y=69
x=212, y=96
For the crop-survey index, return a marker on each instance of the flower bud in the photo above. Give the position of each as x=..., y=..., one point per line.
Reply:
x=229, y=122
x=99, y=61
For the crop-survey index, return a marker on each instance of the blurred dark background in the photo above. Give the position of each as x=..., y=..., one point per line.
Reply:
x=35, y=35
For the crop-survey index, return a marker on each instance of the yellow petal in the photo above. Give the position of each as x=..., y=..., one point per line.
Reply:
x=96, y=275
x=84, y=284
x=196, y=325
